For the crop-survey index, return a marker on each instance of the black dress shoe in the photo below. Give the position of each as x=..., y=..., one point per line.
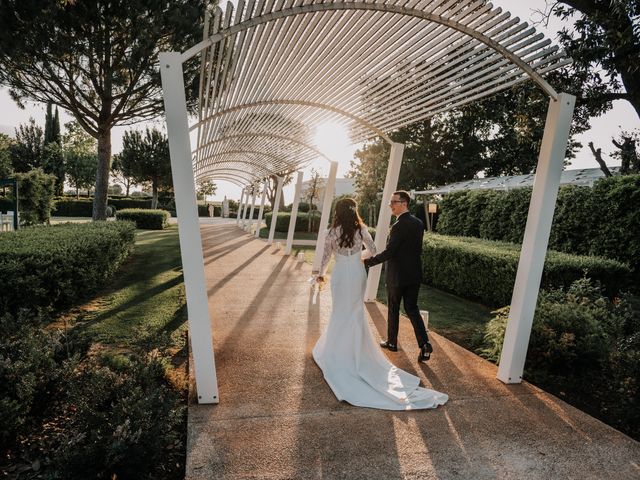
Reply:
x=389, y=346
x=425, y=352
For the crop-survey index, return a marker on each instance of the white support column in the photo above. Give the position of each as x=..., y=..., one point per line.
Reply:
x=264, y=197
x=239, y=212
x=536, y=238
x=253, y=207
x=244, y=212
x=326, y=213
x=384, y=217
x=189, y=228
x=274, y=212
x=294, y=214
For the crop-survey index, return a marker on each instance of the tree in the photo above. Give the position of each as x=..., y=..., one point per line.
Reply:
x=28, y=149
x=81, y=158
x=628, y=153
x=6, y=143
x=313, y=192
x=604, y=43
x=148, y=156
x=123, y=173
x=272, y=186
x=53, y=161
x=97, y=60
x=206, y=188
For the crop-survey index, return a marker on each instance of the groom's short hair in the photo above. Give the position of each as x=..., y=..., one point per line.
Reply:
x=404, y=196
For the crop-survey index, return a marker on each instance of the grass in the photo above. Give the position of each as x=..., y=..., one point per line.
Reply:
x=264, y=233
x=144, y=307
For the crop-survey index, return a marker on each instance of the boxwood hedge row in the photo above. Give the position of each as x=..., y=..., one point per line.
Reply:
x=143, y=218
x=485, y=270
x=58, y=266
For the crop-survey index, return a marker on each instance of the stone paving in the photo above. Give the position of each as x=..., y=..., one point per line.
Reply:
x=278, y=419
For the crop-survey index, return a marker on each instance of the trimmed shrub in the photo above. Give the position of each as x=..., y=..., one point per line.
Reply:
x=58, y=266
x=601, y=220
x=615, y=220
x=145, y=219
x=485, y=270
x=70, y=207
x=125, y=423
x=282, y=222
x=122, y=203
x=584, y=348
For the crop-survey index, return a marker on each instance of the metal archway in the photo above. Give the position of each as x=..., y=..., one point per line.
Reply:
x=283, y=68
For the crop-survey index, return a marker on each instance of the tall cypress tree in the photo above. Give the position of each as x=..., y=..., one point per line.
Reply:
x=53, y=161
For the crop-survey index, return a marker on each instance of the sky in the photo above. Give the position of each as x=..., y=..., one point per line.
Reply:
x=333, y=141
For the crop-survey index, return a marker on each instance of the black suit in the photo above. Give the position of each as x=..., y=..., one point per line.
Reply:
x=404, y=275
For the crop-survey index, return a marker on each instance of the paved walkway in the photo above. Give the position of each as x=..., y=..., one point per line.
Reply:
x=278, y=419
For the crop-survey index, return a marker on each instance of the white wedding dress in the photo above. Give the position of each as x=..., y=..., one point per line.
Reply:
x=347, y=353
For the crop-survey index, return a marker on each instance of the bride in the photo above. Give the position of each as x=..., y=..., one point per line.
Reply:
x=349, y=357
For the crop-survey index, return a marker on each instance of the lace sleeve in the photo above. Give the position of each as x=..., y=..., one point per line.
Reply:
x=329, y=245
x=368, y=241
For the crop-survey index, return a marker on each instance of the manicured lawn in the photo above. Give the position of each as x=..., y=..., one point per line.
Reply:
x=264, y=233
x=144, y=307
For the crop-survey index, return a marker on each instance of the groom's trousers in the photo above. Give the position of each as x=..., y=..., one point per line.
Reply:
x=408, y=294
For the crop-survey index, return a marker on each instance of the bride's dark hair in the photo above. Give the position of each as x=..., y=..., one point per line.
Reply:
x=346, y=216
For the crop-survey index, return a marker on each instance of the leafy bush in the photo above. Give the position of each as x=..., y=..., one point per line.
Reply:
x=584, y=348
x=35, y=196
x=70, y=207
x=485, y=270
x=57, y=266
x=125, y=422
x=145, y=219
x=602, y=220
x=28, y=371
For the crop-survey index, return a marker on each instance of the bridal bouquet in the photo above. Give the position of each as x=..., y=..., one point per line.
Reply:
x=317, y=283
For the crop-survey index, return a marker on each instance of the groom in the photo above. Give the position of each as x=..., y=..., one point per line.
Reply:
x=404, y=273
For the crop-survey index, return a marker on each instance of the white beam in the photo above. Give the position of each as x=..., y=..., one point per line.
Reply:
x=329, y=192
x=384, y=217
x=244, y=212
x=253, y=207
x=294, y=214
x=189, y=228
x=264, y=197
x=239, y=212
x=536, y=238
x=275, y=209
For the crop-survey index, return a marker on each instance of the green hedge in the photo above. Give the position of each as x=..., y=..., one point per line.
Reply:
x=83, y=207
x=145, y=219
x=203, y=211
x=122, y=203
x=58, y=266
x=602, y=220
x=485, y=270
x=302, y=221
x=70, y=207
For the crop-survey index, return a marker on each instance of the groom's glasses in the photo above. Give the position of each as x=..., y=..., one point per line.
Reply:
x=391, y=202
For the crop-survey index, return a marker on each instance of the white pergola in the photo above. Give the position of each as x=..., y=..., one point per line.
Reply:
x=272, y=71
